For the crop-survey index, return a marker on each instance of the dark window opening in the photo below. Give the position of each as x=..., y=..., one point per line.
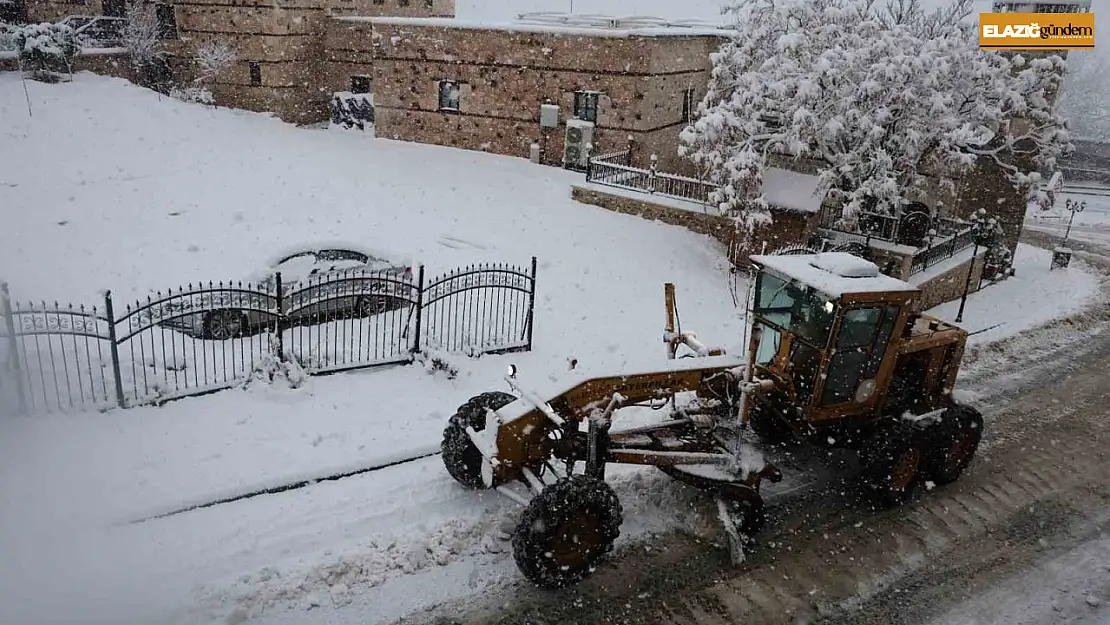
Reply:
x=256, y=74
x=860, y=348
x=585, y=105
x=379, y=2
x=360, y=84
x=449, y=95
x=167, y=21
x=687, y=105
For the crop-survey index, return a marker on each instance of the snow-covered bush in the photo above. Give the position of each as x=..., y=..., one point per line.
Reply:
x=199, y=95
x=878, y=99
x=46, y=50
x=7, y=37
x=270, y=368
x=213, y=59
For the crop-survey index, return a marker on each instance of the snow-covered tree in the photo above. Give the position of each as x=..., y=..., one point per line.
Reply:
x=213, y=59
x=142, y=34
x=879, y=98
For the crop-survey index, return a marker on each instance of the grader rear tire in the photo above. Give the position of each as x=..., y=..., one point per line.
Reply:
x=894, y=461
x=566, y=530
x=461, y=458
x=961, y=430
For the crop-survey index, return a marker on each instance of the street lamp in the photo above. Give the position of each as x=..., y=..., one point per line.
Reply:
x=983, y=231
x=1074, y=207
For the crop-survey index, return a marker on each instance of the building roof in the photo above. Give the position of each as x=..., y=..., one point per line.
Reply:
x=791, y=190
x=833, y=273
x=565, y=24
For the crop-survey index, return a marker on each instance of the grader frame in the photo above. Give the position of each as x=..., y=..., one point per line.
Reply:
x=899, y=413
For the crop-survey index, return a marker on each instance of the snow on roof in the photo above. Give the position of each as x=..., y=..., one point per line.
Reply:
x=791, y=190
x=833, y=273
x=564, y=24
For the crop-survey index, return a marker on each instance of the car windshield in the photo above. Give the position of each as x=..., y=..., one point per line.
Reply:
x=786, y=306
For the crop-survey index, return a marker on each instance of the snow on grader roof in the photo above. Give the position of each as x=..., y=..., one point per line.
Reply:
x=833, y=273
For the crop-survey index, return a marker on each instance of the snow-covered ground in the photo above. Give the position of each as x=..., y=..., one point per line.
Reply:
x=121, y=189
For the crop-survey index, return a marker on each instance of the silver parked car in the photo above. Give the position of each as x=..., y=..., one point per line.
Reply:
x=318, y=284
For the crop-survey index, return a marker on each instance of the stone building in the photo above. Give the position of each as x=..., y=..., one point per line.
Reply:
x=561, y=85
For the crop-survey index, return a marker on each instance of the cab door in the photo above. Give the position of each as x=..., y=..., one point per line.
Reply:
x=849, y=385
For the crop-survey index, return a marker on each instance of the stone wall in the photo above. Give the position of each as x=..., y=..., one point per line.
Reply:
x=505, y=76
x=949, y=285
x=54, y=10
x=116, y=65
x=279, y=53
x=394, y=8
x=787, y=228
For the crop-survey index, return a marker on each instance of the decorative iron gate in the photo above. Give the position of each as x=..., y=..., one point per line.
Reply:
x=206, y=337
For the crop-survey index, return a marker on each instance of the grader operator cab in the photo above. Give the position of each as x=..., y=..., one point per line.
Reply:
x=837, y=356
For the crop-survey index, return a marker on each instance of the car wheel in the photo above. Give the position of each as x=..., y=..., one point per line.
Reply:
x=222, y=325
x=369, y=306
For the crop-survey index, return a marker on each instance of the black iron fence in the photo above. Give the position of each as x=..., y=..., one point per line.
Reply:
x=943, y=249
x=615, y=170
x=201, y=338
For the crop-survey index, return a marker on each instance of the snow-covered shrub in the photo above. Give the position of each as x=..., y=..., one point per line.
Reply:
x=213, y=59
x=435, y=362
x=7, y=37
x=200, y=95
x=271, y=368
x=46, y=50
x=879, y=100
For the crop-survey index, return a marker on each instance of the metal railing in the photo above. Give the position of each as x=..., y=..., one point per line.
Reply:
x=614, y=170
x=939, y=251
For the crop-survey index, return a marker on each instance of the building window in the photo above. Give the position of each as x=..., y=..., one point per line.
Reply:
x=167, y=21
x=360, y=84
x=687, y=105
x=449, y=95
x=585, y=105
x=256, y=74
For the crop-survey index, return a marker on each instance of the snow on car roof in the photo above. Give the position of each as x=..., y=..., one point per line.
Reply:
x=388, y=256
x=833, y=273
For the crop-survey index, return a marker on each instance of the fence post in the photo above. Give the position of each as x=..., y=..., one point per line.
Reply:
x=531, y=304
x=419, y=309
x=110, y=312
x=279, y=297
x=9, y=319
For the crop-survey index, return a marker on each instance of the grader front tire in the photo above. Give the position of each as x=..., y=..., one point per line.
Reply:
x=566, y=530
x=962, y=428
x=893, y=465
x=461, y=458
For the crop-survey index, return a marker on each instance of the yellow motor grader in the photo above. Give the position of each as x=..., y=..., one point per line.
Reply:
x=838, y=356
